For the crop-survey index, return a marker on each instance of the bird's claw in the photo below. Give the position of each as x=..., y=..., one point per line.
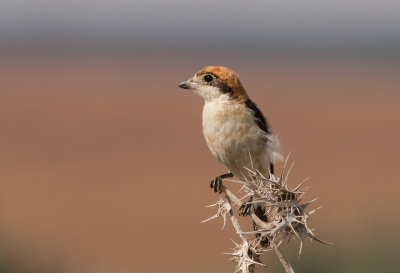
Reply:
x=245, y=209
x=264, y=240
x=216, y=184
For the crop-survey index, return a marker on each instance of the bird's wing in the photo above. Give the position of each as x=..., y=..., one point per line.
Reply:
x=258, y=116
x=272, y=140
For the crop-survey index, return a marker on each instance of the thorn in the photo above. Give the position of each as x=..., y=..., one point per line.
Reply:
x=224, y=217
x=287, y=175
x=301, y=247
x=209, y=219
x=315, y=238
x=301, y=184
x=308, y=203
x=251, y=160
x=284, y=167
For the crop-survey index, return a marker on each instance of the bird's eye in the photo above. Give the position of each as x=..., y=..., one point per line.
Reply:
x=208, y=78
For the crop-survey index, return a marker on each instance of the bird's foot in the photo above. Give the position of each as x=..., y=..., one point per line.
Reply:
x=245, y=208
x=264, y=241
x=216, y=183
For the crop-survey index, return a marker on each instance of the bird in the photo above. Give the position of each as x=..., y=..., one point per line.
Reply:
x=236, y=131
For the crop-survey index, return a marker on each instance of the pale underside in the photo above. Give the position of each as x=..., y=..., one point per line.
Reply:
x=235, y=139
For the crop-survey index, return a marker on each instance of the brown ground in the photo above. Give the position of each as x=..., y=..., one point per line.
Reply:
x=103, y=165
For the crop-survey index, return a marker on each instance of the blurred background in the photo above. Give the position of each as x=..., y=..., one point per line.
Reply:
x=103, y=166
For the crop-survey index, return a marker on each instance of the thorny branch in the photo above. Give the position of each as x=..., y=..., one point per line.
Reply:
x=284, y=210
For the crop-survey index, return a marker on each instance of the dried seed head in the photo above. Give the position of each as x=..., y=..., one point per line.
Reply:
x=246, y=255
x=286, y=215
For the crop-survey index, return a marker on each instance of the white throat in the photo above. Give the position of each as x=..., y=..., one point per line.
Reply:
x=210, y=93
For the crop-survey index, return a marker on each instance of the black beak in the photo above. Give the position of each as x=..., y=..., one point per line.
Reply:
x=184, y=85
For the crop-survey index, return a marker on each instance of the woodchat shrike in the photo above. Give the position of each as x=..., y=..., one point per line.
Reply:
x=236, y=131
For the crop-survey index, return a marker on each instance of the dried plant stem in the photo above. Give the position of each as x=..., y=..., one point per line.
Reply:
x=282, y=258
x=231, y=197
x=281, y=214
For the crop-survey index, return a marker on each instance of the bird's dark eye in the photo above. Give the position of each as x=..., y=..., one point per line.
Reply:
x=208, y=78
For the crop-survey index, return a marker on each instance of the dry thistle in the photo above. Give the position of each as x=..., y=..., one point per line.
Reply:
x=286, y=214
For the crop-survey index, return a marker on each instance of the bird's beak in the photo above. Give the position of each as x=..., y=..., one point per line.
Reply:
x=187, y=84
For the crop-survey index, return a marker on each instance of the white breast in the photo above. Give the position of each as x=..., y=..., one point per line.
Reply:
x=231, y=134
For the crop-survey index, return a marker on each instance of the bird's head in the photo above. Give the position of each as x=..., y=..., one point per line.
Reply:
x=216, y=82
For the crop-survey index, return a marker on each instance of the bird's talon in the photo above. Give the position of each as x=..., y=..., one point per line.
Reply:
x=264, y=241
x=216, y=184
x=245, y=209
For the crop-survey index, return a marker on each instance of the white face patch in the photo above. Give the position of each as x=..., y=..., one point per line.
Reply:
x=209, y=93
